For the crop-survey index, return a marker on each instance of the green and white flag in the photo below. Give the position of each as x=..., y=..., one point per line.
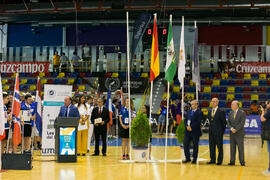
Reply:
x=170, y=68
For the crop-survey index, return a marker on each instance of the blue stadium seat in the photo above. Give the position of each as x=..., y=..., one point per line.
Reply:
x=176, y=82
x=202, y=82
x=228, y=111
x=174, y=96
x=210, y=75
x=137, y=75
x=262, y=97
x=247, y=82
x=186, y=81
x=223, y=82
x=268, y=97
x=238, y=96
x=222, y=96
x=231, y=82
x=30, y=81
x=122, y=74
x=246, y=104
x=192, y=89
x=215, y=89
x=268, y=90
x=238, y=89
x=206, y=96
x=255, y=76
x=75, y=74
x=262, y=83
x=222, y=104
x=64, y=81
x=232, y=76
x=223, y=89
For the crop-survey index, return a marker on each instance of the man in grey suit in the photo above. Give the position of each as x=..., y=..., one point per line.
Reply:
x=236, y=122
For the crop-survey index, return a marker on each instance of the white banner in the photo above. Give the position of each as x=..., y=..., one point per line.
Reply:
x=54, y=96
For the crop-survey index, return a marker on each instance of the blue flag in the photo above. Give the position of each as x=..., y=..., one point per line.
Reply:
x=140, y=26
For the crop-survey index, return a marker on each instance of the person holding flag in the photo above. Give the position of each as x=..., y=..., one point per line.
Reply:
x=7, y=120
x=28, y=116
x=38, y=122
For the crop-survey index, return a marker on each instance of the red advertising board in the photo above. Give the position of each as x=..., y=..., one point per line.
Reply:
x=24, y=67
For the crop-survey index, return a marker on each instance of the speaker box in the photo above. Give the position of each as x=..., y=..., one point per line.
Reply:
x=17, y=161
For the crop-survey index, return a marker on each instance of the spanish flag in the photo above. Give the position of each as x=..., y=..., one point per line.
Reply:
x=154, y=72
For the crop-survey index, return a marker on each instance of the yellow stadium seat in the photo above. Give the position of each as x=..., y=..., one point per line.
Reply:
x=115, y=75
x=4, y=81
x=231, y=89
x=191, y=83
x=189, y=95
x=240, y=104
x=42, y=93
x=216, y=82
x=176, y=89
x=13, y=75
x=207, y=89
x=81, y=88
x=164, y=96
x=224, y=76
x=262, y=76
x=254, y=97
x=32, y=88
x=247, y=76
x=71, y=81
x=23, y=81
x=144, y=75
x=230, y=97
x=205, y=111
x=43, y=81
x=6, y=87
x=61, y=75
x=41, y=75
x=254, y=83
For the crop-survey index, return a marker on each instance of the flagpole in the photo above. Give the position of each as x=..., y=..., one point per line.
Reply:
x=129, y=112
x=197, y=90
x=150, y=114
x=167, y=120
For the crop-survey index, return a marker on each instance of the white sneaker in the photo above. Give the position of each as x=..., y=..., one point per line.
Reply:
x=266, y=172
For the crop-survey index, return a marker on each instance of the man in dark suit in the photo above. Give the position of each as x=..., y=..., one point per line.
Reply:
x=236, y=122
x=68, y=110
x=217, y=120
x=193, y=131
x=100, y=117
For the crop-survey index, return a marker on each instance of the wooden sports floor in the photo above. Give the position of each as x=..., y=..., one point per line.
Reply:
x=112, y=167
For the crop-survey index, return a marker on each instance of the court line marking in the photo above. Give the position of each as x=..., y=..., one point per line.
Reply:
x=240, y=172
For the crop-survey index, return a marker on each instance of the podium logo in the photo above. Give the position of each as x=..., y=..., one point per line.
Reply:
x=51, y=93
x=48, y=151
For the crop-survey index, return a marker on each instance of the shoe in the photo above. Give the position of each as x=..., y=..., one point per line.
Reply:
x=83, y=154
x=78, y=154
x=95, y=154
x=231, y=164
x=211, y=162
x=219, y=163
x=127, y=157
x=104, y=154
x=124, y=157
x=186, y=161
x=266, y=172
x=194, y=162
x=243, y=164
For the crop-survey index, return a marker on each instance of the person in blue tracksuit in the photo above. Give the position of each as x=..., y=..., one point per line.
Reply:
x=28, y=116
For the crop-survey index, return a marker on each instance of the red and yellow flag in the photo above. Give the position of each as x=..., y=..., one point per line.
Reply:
x=154, y=72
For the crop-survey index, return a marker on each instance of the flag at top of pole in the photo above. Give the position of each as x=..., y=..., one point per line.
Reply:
x=170, y=68
x=182, y=57
x=154, y=72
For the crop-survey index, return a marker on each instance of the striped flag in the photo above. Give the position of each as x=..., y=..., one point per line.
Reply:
x=154, y=72
x=38, y=121
x=16, y=108
x=109, y=106
x=2, y=114
x=195, y=65
x=170, y=68
x=182, y=58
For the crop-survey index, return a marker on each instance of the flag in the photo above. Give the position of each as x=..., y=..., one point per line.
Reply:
x=154, y=71
x=16, y=108
x=140, y=26
x=195, y=65
x=2, y=114
x=182, y=57
x=109, y=106
x=170, y=68
x=38, y=121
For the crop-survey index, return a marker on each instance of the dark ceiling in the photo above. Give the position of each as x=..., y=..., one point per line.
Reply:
x=114, y=11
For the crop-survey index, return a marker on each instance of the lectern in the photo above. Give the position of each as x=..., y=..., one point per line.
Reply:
x=66, y=138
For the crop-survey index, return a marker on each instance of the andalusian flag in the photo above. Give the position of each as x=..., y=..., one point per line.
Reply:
x=170, y=69
x=182, y=58
x=154, y=72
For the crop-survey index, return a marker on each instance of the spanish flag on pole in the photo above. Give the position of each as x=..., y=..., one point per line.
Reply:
x=154, y=72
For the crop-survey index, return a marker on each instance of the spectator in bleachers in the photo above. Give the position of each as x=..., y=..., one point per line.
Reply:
x=162, y=119
x=254, y=108
x=236, y=122
x=56, y=61
x=193, y=132
x=265, y=118
x=64, y=61
x=75, y=60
